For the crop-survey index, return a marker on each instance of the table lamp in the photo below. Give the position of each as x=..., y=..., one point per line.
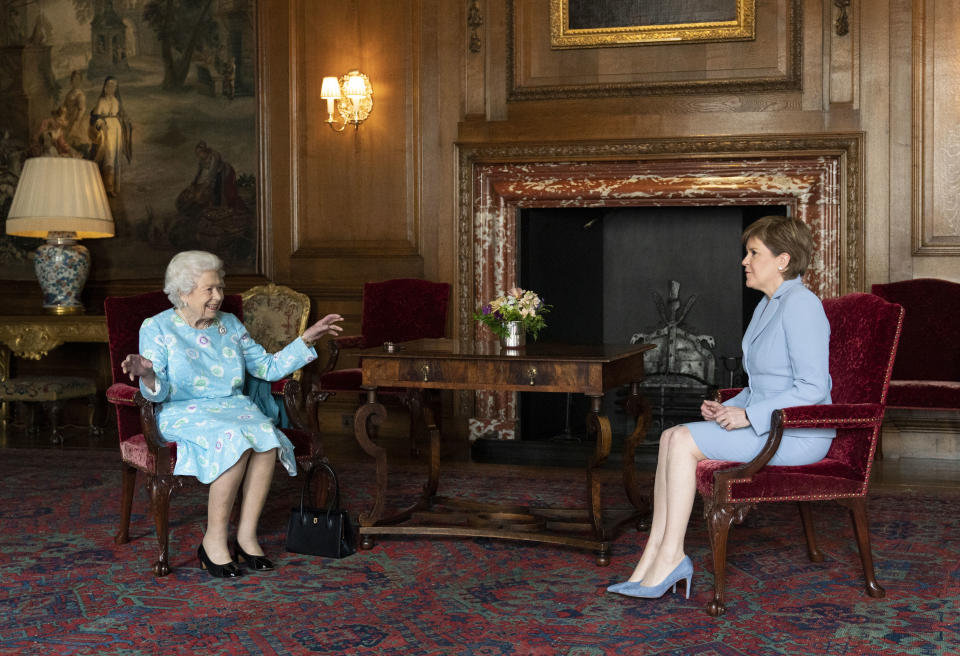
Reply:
x=60, y=199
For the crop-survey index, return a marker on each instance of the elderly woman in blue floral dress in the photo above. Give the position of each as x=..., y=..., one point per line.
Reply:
x=193, y=359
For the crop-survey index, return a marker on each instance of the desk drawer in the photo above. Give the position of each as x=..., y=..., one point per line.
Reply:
x=520, y=375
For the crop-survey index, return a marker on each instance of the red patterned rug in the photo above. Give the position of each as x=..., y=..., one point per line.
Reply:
x=67, y=589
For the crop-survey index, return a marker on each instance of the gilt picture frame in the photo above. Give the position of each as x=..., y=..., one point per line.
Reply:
x=611, y=23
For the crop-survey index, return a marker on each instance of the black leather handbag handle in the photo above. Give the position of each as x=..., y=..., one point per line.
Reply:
x=335, y=502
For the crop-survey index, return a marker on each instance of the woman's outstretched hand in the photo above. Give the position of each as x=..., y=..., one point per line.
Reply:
x=136, y=365
x=326, y=326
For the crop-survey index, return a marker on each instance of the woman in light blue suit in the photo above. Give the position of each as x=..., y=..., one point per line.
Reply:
x=786, y=356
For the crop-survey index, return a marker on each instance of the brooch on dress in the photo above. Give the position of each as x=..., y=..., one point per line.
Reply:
x=221, y=328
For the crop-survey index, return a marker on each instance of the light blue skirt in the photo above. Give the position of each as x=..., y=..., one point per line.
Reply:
x=797, y=447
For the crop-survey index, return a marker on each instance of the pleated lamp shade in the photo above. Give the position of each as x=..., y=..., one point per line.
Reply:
x=60, y=194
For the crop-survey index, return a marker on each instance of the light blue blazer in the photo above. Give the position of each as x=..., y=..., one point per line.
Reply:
x=786, y=354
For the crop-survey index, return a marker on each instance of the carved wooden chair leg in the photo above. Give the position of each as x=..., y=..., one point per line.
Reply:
x=807, y=520
x=160, y=489
x=858, y=513
x=719, y=520
x=128, y=484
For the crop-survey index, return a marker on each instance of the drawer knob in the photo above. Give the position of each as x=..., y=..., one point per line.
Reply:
x=425, y=371
x=532, y=375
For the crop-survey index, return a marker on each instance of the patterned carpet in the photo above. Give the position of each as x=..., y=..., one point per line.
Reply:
x=65, y=588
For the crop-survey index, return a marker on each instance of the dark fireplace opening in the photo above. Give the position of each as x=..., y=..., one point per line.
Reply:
x=606, y=271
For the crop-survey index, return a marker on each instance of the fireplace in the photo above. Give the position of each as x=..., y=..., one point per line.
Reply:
x=817, y=179
x=613, y=274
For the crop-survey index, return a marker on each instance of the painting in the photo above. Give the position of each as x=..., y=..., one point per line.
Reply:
x=602, y=23
x=162, y=96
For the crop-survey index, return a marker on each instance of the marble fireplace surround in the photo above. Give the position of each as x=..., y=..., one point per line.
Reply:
x=819, y=178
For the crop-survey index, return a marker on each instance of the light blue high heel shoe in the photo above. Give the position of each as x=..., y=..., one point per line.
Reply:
x=683, y=571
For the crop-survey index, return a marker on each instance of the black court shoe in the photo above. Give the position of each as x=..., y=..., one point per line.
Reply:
x=258, y=563
x=228, y=571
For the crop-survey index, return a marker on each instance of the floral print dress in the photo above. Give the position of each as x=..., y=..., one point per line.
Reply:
x=199, y=374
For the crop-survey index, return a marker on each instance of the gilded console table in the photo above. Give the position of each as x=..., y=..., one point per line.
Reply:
x=443, y=364
x=33, y=336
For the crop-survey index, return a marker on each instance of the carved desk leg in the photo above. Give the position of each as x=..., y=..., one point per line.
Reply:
x=598, y=426
x=637, y=406
x=433, y=480
x=374, y=413
x=413, y=400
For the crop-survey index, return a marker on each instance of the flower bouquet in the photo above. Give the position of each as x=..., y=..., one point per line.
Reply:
x=517, y=305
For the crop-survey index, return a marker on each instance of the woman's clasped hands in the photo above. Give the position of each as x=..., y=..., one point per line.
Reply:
x=728, y=417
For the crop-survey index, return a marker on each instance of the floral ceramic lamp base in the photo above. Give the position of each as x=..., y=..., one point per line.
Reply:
x=62, y=266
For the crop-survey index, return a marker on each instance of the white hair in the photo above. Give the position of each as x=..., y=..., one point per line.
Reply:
x=185, y=270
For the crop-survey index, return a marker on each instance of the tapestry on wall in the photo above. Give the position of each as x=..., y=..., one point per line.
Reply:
x=162, y=96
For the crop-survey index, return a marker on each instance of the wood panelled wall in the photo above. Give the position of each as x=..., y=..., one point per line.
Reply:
x=381, y=201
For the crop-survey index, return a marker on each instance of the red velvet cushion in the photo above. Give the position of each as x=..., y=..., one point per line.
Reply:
x=341, y=379
x=351, y=341
x=928, y=394
x=350, y=380
x=930, y=346
x=134, y=451
x=122, y=393
x=404, y=309
x=827, y=478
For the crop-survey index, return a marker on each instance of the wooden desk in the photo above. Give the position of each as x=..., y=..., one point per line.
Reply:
x=441, y=364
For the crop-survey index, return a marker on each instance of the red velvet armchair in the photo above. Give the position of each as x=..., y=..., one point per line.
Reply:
x=865, y=331
x=141, y=447
x=395, y=311
x=926, y=375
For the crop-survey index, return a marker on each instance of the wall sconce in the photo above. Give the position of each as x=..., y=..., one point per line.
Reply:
x=355, y=96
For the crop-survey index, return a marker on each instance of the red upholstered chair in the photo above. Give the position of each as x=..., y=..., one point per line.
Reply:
x=141, y=447
x=864, y=334
x=926, y=374
x=395, y=311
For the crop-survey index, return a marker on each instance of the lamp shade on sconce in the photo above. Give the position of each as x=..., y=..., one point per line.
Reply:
x=330, y=89
x=60, y=199
x=350, y=96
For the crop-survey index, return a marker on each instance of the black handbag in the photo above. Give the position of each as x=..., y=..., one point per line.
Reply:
x=321, y=532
